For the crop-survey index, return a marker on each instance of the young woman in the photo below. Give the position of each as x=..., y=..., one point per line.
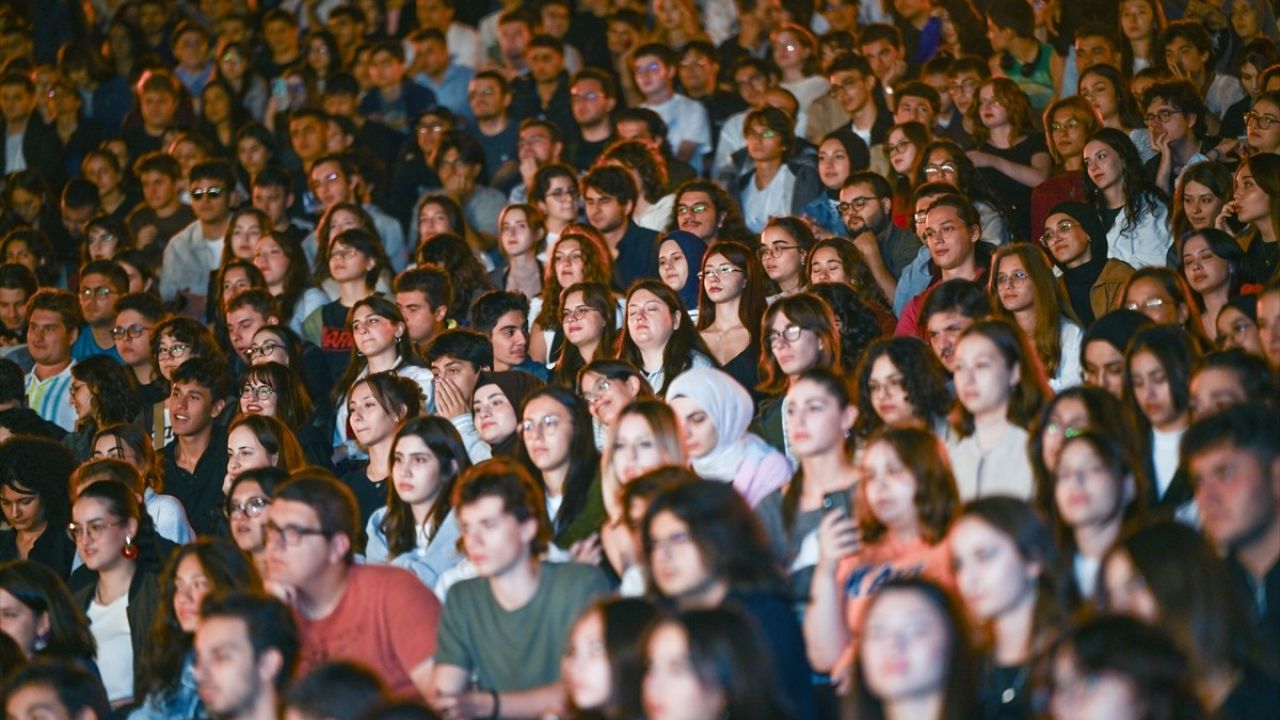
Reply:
x=283, y=265
x=555, y=194
x=1096, y=488
x=1134, y=211
x=837, y=260
x=1011, y=154
x=608, y=386
x=715, y=412
x=522, y=236
x=1256, y=203
x=117, y=541
x=132, y=444
x=248, y=503
x=838, y=154
x=1263, y=130
x=220, y=114
x=914, y=660
x=784, y=243
x=278, y=344
x=1202, y=190
x=103, y=392
x=416, y=529
x=1007, y=573
x=1024, y=291
x=603, y=664
x=795, y=50
x=102, y=168
x=174, y=341
x=801, y=334
x=356, y=261
x=1214, y=267
x=376, y=405
x=40, y=615
x=381, y=345
x=234, y=278
x=659, y=338
x=32, y=250
x=1067, y=124
x=772, y=185
x=335, y=221
x=1238, y=325
x=1077, y=242
x=943, y=161
x=249, y=90
x=905, y=144
x=104, y=237
x=1000, y=386
x=580, y=256
x=679, y=253
x=901, y=384
x=1168, y=575
x=588, y=317
x=33, y=497
x=255, y=148
x=1157, y=378
x=497, y=408
x=207, y=566
x=258, y=441
x=1142, y=21
x=557, y=445
x=1108, y=92
x=730, y=298
x=1163, y=295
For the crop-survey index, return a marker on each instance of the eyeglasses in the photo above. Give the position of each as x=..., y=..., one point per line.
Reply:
x=900, y=147
x=784, y=48
x=133, y=331
x=989, y=102
x=1071, y=124
x=855, y=204
x=548, y=426
x=577, y=314
x=98, y=292
x=774, y=251
x=648, y=68
x=1147, y=304
x=838, y=88
x=261, y=392
x=1014, y=280
x=265, y=348
x=584, y=97
x=250, y=508
x=890, y=386
x=1060, y=230
x=765, y=134
x=597, y=391
x=292, y=534
x=722, y=271
x=173, y=351
x=91, y=530
x=1161, y=117
x=562, y=194
x=211, y=193
x=1066, y=431
x=430, y=129
x=920, y=216
x=948, y=168
x=343, y=253
x=1264, y=122
x=788, y=335
x=699, y=208
x=962, y=85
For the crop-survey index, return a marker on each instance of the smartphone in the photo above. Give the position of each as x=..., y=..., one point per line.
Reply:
x=280, y=91
x=839, y=500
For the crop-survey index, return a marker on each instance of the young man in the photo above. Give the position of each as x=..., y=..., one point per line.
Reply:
x=195, y=463
x=515, y=32
x=508, y=626
x=609, y=193
x=423, y=295
x=55, y=689
x=17, y=285
x=246, y=647
x=248, y=313
x=394, y=99
x=162, y=213
x=1226, y=378
x=949, y=309
x=457, y=357
x=137, y=314
x=854, y=84
x=333, y=180
x=341, y=102
x=688, y=128
x=952, y=234
x=307, y=136
x=29, y=143
x=280, y=33
x=1098, y=44
x=1188, y=51
x=463, y=41
x=78, y=205
x=1233, y=460
x=503, y=317
x=102, y=283
x=539, y=145
x=490, y=98
x=1176, y=119
x=866, y=206
x=917, y=101
x=963, y=78
x=271, y=192
x=53, y=324
x=886, y=54
x=1019, y=55
x=348, y=25
x=544, y=92
x=191, y=50
x=158, y=99
x=377, y=615
x=647, y=126
x=699, y=73
x=458, y=161
x=436, y=70
x=196, y=252
x=593, y=95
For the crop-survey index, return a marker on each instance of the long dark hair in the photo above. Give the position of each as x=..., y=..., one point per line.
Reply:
x=293, y=403
x=924, y=382
x=624, y=621
x=440, y=436
x=936, y=498
x=121, y=502
x=752, y=302
x=296, y=275
x=1126, y=104
x=406, y=354
x=1226, y=248
x=114, y=391
x=1025, y=397
x=1141, y=196
x=1174, y=349
x=584, y=459
x=839, y=389
x=600, y=298
x=677, y=355
x=226, y=568
x=42, y=591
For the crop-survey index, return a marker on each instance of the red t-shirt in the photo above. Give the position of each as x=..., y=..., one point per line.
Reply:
x=386, y=620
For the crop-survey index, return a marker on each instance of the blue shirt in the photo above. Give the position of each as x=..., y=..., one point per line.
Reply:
x=451, y=92
x=86, y=347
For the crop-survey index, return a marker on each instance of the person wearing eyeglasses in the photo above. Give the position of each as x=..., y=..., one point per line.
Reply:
x=1163, y=295
x=952, y=236
x=1068, y=124
x=102, y=282
x=1262, y=124
x=1176, y=117
x=688, y=127
x=194, y=253
x=1077, y=243
x=593, y=95
x=247, y=508
x=334, y=180
x=866, y=204
x=773, y=183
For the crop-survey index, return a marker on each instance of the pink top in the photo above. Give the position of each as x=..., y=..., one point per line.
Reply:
x=756, y=480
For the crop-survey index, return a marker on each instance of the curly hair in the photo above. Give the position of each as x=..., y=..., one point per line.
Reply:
x=597, y=267
x=114, y=391
x=924, y=382
x=1131, y=116
x=857, y=325
x=728, y=212
x=638, y=157
x=451, y=253
x=856, y=269
x=1010, y=97
x=139, y=443
x=1141, y=196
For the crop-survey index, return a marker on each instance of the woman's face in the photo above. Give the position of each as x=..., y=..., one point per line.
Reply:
x=432, y=220
x=252, y=154
x=373, y=334
x=22, y=510
x=516, y=235
x=342, y=221
x=788, y=52
x=650, y=323
x=244, y=236
x=318, y=56
x=550, y=434
x=992, y=576
x=569, y=263
x=101, y=535
x=700, y=434
x=1068, y=417
x=825, y=265
x=102, y=243
x=217, y=106
x=1013, y=285
x=1244, y=20
x=677, y=565
x=271, y=348
x=764, y=144
x=167, y=362
x=270, y=260
x=1152, y=390
x=1237, y=330
x=588, y=678
x=699, y=215
x=561, y=201
x=1252, y=202
x=347, y=264
x=110, y=446
x=887, y=386
x=983, y=378
x=783, y=259
x=258, y=398
x=495, y=417
x=1085, y=491
x=416, y=471
x=816, y=421
x=1205, y=271
x=1067, y=240
x=1078, y=693
x=583, y=324
x=905, y=644
x=793, y=356
x=673, y=266
x=370, y=422
x=190, y=585
x=1102, y=164
x=1264, y=140
x=234, y=283
x=1149, y=297
x=231, y=65
x=722, y=286
x=1200, y=204
x=26, y=205
x=635, y=448
x=902, y=152
x=1136, y=19
x=245, y=452
x=606, y=397
x=1127, y=590
x=21, y=622
x=990, y=111
x=834, y=165
x=672, y=690
x=941, y=167
x=889, y=488
x=81, y=399
x=1067, y=131
x=1104, y=367
x=249, y=526
x=99, y=171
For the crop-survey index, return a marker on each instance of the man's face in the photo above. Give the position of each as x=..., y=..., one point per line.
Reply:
x=449, y=164
x=863, y=211
x=242, y=323
x=49, y=340
x=605, y=212
x=1166, y=121
x=191, y=49
x=1236, y=494
x=307, y=135
x=36, y=701
x=192, y=408
x=459, y=372
x=535, y=142
x=698, y=73
x=420, y=319
x=487, y=99
x=227, y=673
x=652, y=76
x=13, y=308
x=620, y=38
x=385, y=69
x=513, y=40
x=434, y=14
x=911, y=108
x=510, y=340
x=431, y=56
x=883, y=57
x=949, y=239
x=158, y=189
x=589, y=103
x=751, y=84
x=16, y=103
x=492, y=538
x=98, y=300
x=329, y=184
x=210, y=200
x=545, y=64
x=1214, y=389
x=158, y=108
x=555, y=20
x=346, y=31
x=852, y=90
x=296, y=565
x=840, y=15
x=74, y=220
x=274, y=201
x=1095, y=50
x=943, y=330
x=1184, y=58
x=281, y=37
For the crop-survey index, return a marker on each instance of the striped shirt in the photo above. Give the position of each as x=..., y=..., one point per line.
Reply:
x=51, y=398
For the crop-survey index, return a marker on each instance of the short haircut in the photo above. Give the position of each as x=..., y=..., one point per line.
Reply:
x=18, y=277
x=18, y=79
x=145, y=304
x=635, y=20
x=217, y=170
x=338, y=689
x=58, y=301
x=342, y=84
x=1015, y=15
x=260, y=299
x=469, y=150
x=1193, y=32
x=280, y=15
x=207, y=372
x=80, y=193
x=462, y=344
x=613, y=181
x=665, y=55
x=956, y=295
x=390, y=47
x=608, y=85
x=274, y=175
x=187, y=26
x=878, y=184
x=158, y=162
x=552, y=130
x=77, y=688
x=350, y=12
x=915, y=88
x=268, y=625
x=850, y=62
x=1183, y=96
x=1253, y=428
x=158, y=80
x=331, y=500
x=429, y=280
x=881, y=32
x=492, y=305
x=511, y=482
x=547, y=42
x=498, y=78
x=110, y=270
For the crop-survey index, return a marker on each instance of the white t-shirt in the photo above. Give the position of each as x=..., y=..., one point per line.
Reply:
x=686, y=120
x=1164, y=456
x=14, y=160
x=773, y=201
x=110, y=627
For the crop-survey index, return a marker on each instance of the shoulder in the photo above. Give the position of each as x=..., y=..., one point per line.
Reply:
x=574, y=579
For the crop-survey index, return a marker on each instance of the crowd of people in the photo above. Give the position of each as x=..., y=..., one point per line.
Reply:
x=615, y=359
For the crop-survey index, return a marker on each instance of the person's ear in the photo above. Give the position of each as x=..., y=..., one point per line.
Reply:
x=270, y=663
x=440, y=312
x=633, y=385
x=339, y=545
x=1015, y=375
x=528, y=530
x=218, y=407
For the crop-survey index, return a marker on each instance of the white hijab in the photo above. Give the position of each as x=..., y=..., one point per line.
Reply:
x=729, y=407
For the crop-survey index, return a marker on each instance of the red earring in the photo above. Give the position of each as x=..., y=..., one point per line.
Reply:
x=129, y=551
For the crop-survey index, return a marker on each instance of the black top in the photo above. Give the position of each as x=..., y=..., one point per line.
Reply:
x=200, y=492
x=636, y=257
x=1017, y=197
x=782, y=637
x=53, y=549
x=1263, y=602
x=1005, y=693
x=370, y=495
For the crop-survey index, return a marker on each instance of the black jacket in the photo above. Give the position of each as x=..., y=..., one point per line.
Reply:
x=42, y=149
